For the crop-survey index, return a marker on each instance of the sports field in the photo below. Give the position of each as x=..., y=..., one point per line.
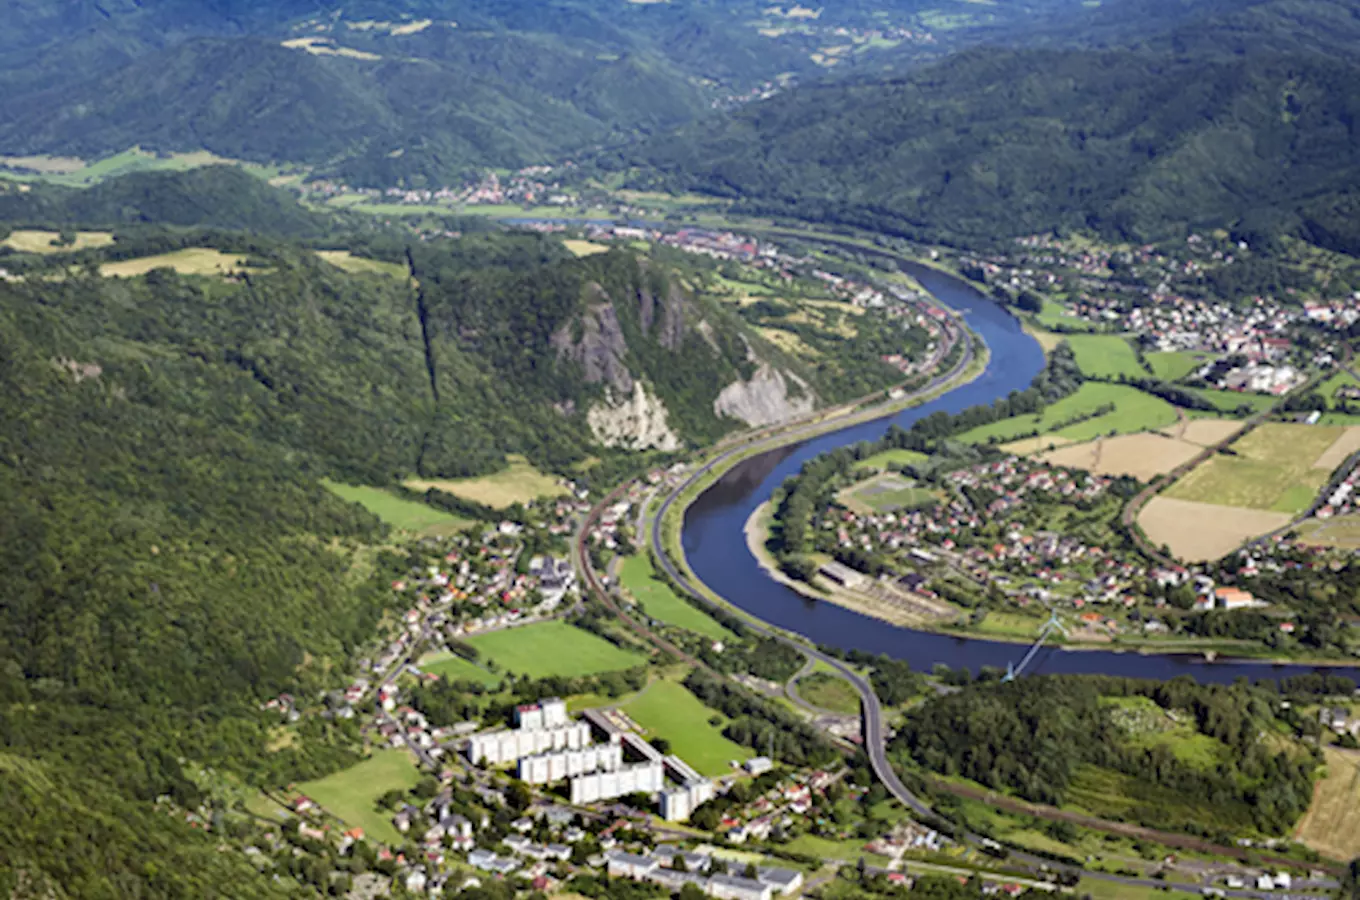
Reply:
x=359, y=265
x=1105, y=356
x=1134, y=411
x=398, y=512
x=350, y=795
x=1056, y=315
x=886, y=493
x=667, y=710
x=659, y=602
x=190, y=261
x=553, y=648
x=1143, y=456
x=1272, y=468
x=455, y=668
x=27, y=241
x=893, y=458
x=1332, y=824
x=519, y=482
x=1203, y=531
x=1174, y=365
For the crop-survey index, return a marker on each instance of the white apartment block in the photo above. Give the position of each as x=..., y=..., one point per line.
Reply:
x=644, y=777
x=545, y=714
x=497, y=747
x=549, y=767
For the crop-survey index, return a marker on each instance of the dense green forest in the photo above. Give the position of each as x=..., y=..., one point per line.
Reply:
x=216, y=196
x=1208, y=759
x=993, y=144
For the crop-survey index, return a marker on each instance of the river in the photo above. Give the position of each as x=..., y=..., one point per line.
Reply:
x=715, y=542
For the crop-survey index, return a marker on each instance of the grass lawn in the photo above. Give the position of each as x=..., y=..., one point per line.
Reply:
x=1173, y=365
x=350, y=795
x=1056, y=315
x=585, y=248
x=885, y=493
x=519, y=482
x=826, y=848
x=359, y=265
x=1134, y=411
x=455, y=668
x=398, y=512
x=638, y=575
x=41, y=241
x=553, y=648
x=829, y=692
x=1105, y=356
x=893, y=458
x=667, y=710
x=190, y=261
x=1329, y=387
x=1272, y=469
x=1229, y=401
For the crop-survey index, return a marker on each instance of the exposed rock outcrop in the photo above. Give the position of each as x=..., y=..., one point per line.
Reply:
x=764, y=400
x=637, y=421
x=601, y=346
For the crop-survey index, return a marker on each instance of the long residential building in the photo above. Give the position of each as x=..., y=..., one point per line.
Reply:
x=549, y=767
x=645, y=777
x=497, y=747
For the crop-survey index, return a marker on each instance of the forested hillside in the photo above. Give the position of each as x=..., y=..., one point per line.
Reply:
x=989, y=145
x=216, y=196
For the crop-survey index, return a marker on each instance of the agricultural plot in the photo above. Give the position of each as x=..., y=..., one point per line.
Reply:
x=1204, y=531
x=1332, y=824
x=1230, y=401
x=519, y=482
x=886, y=493
x=399, y=512
x=1133, y=411
x=1204, y=432
x=455, y=668
x=585, y=248
x=1040, y=444
x=667, y=710
x=1342, y=532
x=1174, y=365
x=190, y=261
x=553, y=648
x=1272, y=468
x=359, y=265
x=1143, y=456
x=658, y=601
x=1341, y=450
x=893, y=458
x=1105, y=356
x=351, y=795
x=43, y=242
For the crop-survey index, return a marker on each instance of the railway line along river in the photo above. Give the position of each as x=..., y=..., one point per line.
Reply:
x=716, y=547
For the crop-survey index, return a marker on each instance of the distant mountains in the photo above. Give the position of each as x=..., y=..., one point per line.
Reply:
x=994, y=143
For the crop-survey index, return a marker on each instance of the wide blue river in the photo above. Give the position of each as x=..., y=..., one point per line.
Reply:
x=715, y=543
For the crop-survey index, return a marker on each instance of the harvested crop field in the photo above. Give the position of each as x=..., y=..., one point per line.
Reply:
x=191, y=261
x=1204, y=531
x=1144, y=456
x=1040, y=444
x=1204, y=432
x=1272, y=468
x=26, y=241
x=520, y=482
x=1340, y=451
x=1332, y=824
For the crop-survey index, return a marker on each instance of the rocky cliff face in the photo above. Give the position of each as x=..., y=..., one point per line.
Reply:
x=764, y=399
x=637, y=421
x=597, y=343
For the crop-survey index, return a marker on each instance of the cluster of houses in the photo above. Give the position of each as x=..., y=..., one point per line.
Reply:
x=673, y=868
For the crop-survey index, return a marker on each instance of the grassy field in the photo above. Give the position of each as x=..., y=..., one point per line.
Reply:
x=41, y=241
x=1056, y=315
x=519, y=482
x=1105, y=356
x=1273, y=469
x=1146, y=725
x=1134, y=411
x=893, y=458
x=1229, y=401
x=826, y=848
x=350, y=794
x=455, y=668
x=553, y=648
x=190, y=261
x=667, y=710
x=1342, y=532
x=358, y=265
x=1332, y=824
x=398, y=512
x=638, y=575
x=886, y=493
x=829, y=692
x=585, y=248
x=1173, y=365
